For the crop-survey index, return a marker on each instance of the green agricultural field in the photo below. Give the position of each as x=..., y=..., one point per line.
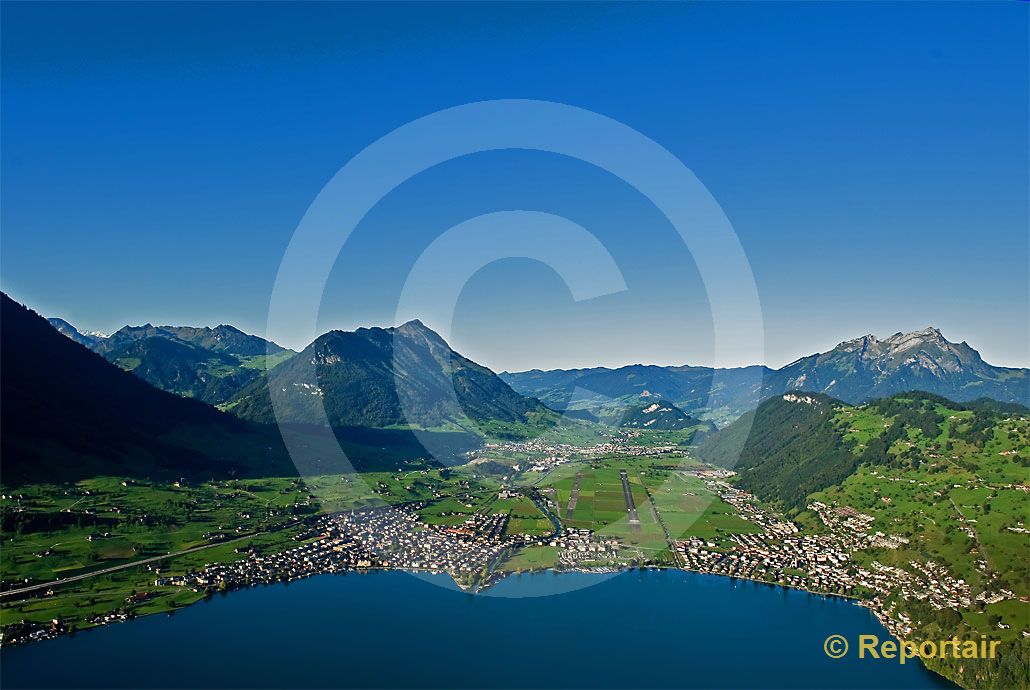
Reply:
x=454, y=511
x=547, y=427
x=859, y=425
x=101, y=595
x=532, y=558
x=662, y=493
x=690, y=509
x=53, y=531
x=524, y=516
x=601, y=505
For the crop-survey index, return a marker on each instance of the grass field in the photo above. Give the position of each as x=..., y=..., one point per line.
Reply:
x=958, y=503
x=690, y=509
x=50, y=532
x=100, y=595
x=532, y=558
x=661, y=492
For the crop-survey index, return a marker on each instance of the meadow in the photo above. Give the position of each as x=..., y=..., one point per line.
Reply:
x=958, y=501
x=670, y=504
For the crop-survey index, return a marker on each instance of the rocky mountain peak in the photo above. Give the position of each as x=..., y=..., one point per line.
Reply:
x=871, y=347
x=87, y=338
x=929, y=335
x=420, y=332
x=416, y=326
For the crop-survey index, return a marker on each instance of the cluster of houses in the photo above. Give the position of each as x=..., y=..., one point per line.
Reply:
x=331, y=551
x=481, y=526
x=386, y=537
x=709, y=473
x=544, y=455
x=745, y=505
x=579, y=547
x=546, y=463
x=813, y=562
x=370, y=538
x=20, y=633
x=398, y=538
x=823, y=562
x=923, y=580
x=27, y=631
x=926, y=582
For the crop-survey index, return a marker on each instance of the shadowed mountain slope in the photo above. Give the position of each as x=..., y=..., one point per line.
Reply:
x=67, y=413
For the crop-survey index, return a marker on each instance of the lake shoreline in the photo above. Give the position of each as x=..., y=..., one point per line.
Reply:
x=669, y=606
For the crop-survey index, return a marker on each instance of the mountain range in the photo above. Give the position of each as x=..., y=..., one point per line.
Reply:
x=68, y=414
x=210, y=364
x=372, y=377
x=408, y=376
x=87, y=338
x=855, y=371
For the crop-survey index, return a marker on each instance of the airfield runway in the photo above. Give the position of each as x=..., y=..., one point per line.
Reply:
x=573, y=497
x=631, y=507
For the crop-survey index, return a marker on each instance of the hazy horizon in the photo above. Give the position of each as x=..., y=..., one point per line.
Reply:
x=457, y=347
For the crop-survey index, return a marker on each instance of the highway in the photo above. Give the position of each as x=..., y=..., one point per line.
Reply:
x=134, y=564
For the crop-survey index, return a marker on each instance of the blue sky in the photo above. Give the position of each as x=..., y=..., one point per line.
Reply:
x=872, y=158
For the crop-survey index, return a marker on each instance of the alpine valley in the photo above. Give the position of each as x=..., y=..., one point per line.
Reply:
x=152, y=468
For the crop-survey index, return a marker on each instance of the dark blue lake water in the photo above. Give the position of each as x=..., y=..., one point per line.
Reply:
x=393, y=630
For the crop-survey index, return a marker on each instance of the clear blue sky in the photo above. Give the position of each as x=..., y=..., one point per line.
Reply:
x=872, y=158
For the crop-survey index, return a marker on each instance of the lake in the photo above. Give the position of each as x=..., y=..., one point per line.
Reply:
x=646, y=628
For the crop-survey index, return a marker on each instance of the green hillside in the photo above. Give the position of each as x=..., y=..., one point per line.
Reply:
x=382, y=378
x=785, y=450
x=210, y=364
x=949, y=482
x=651, y=413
